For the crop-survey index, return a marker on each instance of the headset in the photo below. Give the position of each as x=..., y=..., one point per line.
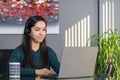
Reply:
x=27, y=30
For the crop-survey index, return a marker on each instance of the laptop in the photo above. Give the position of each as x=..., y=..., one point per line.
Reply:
x=78, y=63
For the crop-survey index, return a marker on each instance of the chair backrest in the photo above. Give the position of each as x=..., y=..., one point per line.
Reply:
x=4, y=56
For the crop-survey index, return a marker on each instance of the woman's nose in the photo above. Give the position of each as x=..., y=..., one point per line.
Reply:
x=41, y=32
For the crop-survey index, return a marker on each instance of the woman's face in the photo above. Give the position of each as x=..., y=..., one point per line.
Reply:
x=38, y=32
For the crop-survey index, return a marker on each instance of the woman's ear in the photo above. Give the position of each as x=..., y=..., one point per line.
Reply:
x=29, y=34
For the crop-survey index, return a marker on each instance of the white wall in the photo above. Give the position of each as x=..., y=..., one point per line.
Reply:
x=117, y=14
x=109, y=15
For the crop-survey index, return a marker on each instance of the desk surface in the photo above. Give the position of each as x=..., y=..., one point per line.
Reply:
x=6, y=77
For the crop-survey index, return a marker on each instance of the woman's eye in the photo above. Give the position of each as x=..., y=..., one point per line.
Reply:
x=37, y=29
x=44, y=29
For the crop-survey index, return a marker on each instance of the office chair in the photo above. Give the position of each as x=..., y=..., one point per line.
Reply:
x=4, y=56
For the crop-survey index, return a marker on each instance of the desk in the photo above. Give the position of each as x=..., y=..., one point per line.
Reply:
x=6, y=77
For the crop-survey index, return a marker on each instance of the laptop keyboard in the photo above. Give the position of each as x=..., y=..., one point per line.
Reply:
x=50, y=77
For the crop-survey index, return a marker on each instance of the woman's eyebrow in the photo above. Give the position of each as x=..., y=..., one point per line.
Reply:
x=40, y=27
x=37, y=27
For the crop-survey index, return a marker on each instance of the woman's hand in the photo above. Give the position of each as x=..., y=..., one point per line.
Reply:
x=43, y=71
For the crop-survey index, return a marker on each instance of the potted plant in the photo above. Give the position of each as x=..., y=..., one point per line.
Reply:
x=109, y=53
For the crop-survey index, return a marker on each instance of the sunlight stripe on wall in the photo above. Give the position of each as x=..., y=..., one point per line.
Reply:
x=107, y=15
x=78, y=34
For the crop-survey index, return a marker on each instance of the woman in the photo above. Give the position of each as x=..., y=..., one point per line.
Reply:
x=34, y=56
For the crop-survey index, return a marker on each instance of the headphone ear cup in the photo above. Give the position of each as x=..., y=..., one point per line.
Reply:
x=27, y=31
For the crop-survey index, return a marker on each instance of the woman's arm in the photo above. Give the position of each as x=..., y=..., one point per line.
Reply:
x=54, y=62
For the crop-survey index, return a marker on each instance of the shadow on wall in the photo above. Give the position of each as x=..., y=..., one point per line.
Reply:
x=4, y=56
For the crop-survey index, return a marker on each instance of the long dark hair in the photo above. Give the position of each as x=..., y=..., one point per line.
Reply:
x=27, y=47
